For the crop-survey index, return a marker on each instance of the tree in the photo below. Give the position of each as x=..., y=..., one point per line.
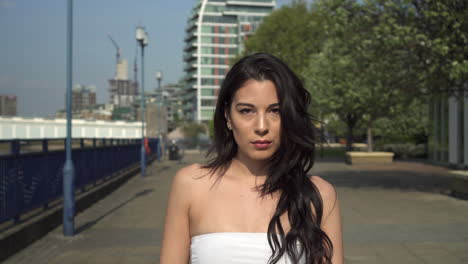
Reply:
x=191, y=133
x=358, y=73
x=370, y=60
x=291, y=33
x=411, y=124
x=334, y=88
x=442, y=33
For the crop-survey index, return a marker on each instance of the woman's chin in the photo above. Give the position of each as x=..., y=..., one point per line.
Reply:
x=260, y=155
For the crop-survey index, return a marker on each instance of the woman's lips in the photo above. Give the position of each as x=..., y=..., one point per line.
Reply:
x=261, y=144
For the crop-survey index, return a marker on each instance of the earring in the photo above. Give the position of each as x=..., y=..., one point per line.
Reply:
x=229, y=126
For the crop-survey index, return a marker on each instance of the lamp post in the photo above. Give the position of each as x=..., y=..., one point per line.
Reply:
x=68, y=170
x=142, y=38
x=159, y=76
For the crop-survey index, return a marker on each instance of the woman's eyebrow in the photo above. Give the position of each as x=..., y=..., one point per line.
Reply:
x=251, y=105
x=244, y=104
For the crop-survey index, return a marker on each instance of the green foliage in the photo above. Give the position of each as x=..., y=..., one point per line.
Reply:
x=192, y=130
x=442, y=35
x=211, y=129
x=366, y=62
x=410, y=125
x=370, y=65
x=291, y=33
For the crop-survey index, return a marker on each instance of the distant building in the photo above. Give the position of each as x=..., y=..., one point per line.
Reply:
x=448, y=143
x=173, y=100
x=171, y=95
x=155, y=120
x=122, y=91
x=215, y=32
x=94, y=112
x=83, y=97
x=124, y=113
x=8, y=105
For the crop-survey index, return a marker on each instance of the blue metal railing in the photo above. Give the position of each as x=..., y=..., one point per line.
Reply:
x=32, y=180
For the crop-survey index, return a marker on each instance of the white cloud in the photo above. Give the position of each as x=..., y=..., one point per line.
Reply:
x=7, y=4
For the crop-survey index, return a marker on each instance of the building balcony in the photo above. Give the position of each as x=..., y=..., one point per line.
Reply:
x=190, y=36
x=192, y=24
x=189, y=66
x=189, y=57
x=234, y=12
x=190, y=46
x=189, y=78
x=266, y=3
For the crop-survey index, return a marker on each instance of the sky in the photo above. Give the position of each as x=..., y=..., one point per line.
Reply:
x=33, y=46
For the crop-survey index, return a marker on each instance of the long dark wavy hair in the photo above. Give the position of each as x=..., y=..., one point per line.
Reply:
x=288, y=166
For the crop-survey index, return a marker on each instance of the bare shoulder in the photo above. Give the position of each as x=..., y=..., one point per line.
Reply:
x=327, y=192
x=326, y=189
x=189, y=176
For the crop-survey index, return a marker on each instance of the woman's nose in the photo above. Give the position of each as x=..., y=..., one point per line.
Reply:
x=261, y=125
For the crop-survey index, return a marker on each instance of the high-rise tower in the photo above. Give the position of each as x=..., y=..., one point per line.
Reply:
x=122, y=91
x=215, y=34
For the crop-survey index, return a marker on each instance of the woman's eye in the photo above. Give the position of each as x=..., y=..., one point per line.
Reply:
x=245, y=111
x=275, y=110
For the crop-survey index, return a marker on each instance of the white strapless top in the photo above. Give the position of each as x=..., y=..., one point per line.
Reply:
x=231, y=248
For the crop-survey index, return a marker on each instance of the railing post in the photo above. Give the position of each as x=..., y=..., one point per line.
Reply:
x=45, y=145
x=83, y=178
x=15, y=150
x=15, y=147
x=45, y=149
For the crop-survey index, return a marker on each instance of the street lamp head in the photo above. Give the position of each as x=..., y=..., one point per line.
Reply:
x=145, y=39
x=142, y=36
x=140, y=33
x=159, y=75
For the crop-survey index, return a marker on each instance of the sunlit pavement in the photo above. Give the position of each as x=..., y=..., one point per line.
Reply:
x=391, y=214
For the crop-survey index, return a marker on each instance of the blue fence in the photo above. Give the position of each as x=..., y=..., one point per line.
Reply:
x=31, y=179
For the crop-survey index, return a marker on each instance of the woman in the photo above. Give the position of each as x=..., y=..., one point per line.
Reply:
x=254, y=202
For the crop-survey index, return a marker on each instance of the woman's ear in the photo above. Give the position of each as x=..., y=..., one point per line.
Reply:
x=228, y=120
x=226, y=116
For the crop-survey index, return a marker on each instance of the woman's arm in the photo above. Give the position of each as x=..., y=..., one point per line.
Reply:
x=176, y=239
x=331, y=221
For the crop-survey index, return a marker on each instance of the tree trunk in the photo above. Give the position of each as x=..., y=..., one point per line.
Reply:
x=351, y=120
x=370, y=141
x=349, y=138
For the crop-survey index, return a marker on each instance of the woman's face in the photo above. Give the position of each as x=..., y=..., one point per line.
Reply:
x=255, y=120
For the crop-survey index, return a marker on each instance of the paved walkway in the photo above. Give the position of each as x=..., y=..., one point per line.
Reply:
x=391, y=214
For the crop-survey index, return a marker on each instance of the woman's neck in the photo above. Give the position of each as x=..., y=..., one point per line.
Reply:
x=246, y=167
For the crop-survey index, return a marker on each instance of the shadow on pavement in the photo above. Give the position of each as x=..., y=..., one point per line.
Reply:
x=90, y=224
x=389, y=179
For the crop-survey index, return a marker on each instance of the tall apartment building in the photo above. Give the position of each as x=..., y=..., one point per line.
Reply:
x=8, y=105
x=122, y=91
x=215, y=34
x=83, y=97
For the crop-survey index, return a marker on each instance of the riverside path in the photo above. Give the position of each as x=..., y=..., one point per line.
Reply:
x=394, y=213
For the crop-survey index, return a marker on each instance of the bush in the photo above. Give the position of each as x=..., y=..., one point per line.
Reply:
x=193, y=134
x=406, y=150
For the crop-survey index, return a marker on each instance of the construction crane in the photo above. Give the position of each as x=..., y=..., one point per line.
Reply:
x=116, y=46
